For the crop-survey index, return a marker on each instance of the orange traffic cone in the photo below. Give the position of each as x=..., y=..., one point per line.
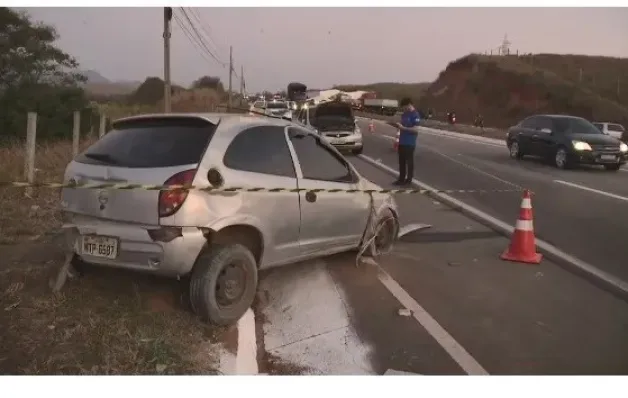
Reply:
x=371, y=126
x=522, y=248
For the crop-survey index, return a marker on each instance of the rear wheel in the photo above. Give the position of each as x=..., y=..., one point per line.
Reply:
x=612, y=167
x=223, y=283
x=515, y=150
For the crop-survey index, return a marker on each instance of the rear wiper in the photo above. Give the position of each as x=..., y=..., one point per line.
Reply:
x=103, y=157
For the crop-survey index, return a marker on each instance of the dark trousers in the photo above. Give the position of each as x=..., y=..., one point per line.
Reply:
x=406, y=163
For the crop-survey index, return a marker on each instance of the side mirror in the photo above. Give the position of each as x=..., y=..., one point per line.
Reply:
x=546, y=131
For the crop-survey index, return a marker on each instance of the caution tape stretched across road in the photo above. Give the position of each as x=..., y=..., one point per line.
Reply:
x=147, y=187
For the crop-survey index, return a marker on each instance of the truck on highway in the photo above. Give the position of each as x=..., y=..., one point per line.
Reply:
x=296, y=92
x=381, y=106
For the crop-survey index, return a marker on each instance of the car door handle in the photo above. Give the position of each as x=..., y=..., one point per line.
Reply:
x=310, y=196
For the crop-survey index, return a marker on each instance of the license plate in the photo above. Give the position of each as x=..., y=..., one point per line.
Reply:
x=608, y=157
x=99, y=246
x=337, y=141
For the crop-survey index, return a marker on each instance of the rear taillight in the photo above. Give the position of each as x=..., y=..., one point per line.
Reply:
x=170, y=201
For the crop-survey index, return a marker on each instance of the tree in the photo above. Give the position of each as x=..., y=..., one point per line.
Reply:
x=152, y=91
x=209, y=82
x=36, y=76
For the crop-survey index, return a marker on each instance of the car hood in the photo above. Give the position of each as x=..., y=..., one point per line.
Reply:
x=595, y=139
x=333, y=123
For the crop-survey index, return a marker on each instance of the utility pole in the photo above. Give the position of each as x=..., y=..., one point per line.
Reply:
x=166, y=35
x=230, y=77
x=242, y=82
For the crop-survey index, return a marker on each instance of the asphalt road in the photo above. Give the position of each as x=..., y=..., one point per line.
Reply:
x=469, y=312
x=583, y=212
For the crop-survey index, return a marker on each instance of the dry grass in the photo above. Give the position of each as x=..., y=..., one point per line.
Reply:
x=108, y=322
x=31, y=217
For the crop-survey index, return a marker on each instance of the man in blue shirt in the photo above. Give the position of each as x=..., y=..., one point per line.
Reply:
x=407, y=141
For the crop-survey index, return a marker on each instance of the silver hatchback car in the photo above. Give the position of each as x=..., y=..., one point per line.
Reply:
x=218, y=239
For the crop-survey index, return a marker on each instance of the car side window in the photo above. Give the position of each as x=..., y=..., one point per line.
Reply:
x=318, y=162
x=261, y=149
x=543, y=123
x=529, y=123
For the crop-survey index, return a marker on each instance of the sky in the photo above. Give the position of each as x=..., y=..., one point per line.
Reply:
x=324, y=46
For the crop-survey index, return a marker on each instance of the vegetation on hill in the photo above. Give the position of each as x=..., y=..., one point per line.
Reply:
x=505, y=89
x=389, y=90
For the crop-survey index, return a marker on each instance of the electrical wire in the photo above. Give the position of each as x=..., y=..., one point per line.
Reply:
x=200, y=38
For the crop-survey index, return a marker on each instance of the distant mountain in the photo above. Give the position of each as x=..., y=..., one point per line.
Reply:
x=93, y=77
x=97, y=84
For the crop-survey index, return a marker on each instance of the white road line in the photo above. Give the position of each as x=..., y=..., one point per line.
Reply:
x=246, y=357
x=444, y=339
x=499, y=225
x=472, y=168
x=604, y=193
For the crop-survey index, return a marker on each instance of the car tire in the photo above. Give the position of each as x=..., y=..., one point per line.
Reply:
x=387, y=230
x=358, y=151
x=561, y=159
x=612, y=167
x=209, y=296
x=515, y=150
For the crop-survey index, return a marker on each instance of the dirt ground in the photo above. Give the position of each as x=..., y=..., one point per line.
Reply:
x=105, y=322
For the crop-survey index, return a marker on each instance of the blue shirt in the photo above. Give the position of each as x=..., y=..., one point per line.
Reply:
x=409, y=119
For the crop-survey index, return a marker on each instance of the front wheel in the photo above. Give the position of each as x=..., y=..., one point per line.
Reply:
x=612, y=167
x=384, y=234
x=515, y=150
x=561, y=159
x=223, y=283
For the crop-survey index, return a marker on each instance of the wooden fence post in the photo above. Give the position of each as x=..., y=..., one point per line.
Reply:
x=29, y=159
x=76, y=133
x=103, y=124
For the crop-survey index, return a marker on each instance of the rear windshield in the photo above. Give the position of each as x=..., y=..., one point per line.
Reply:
x=616, y=127
x=160, y=142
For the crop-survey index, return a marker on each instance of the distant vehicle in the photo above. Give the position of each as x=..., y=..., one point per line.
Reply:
x=276, y=108
x=258, y=107
x=567, y=140
x=219, y=239
x=296, y=92
x=335, y=123
x=613, y=129
x=381, y=106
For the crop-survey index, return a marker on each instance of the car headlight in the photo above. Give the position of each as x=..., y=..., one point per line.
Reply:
x=623, y=147
x=581, y=146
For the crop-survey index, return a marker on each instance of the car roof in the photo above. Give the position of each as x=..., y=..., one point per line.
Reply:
x=224, y=118
x=557, y=116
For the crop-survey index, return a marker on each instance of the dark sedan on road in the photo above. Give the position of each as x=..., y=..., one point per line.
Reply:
x=566, y=141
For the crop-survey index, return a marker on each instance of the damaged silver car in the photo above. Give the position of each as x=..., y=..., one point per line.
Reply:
x=219, y=239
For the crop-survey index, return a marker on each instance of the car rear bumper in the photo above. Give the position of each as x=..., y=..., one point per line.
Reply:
x=136, y=249
x=598, y=158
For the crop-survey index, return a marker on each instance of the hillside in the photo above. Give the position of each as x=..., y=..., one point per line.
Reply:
x=389, y=90
x=505, y=89
x=98, y=85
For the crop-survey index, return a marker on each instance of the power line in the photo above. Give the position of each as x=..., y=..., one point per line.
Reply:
x=200, y=38
x=193, y=40
x=208, y=31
